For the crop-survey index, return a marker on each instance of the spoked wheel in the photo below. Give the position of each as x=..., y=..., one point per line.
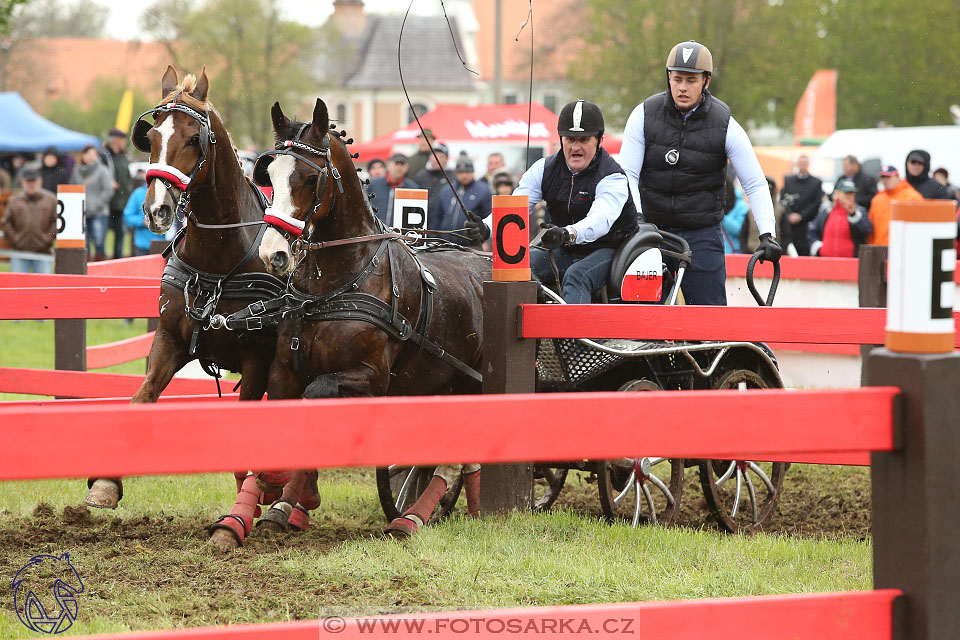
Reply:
x=399, y=487
x=547, y=483
x=641, y=490
x=741, y=494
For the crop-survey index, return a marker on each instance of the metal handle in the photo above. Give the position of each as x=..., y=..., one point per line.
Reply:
x=773, y=285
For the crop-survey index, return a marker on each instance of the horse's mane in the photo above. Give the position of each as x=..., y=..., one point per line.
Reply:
x=184, y=88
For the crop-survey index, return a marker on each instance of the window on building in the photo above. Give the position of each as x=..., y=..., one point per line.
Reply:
x=550, y=101
x=341, y=113
x=419, y=109
x=509, y=98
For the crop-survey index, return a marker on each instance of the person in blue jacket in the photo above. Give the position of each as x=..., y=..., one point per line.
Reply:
x=133, y=219
x=474, y=194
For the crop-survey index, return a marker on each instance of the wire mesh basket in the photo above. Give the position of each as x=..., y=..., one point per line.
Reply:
x=568, y=360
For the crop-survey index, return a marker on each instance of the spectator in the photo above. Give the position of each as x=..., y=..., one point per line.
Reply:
x=893, y=189
x=30, y=223
x=801, y=197
x=942, y=176
x=95, y=176
x=866, y=184
x=383, y=188
x=376, y=168
x=112, y=154
x=133, y=218
x=474, y=194
x=503, y=183
x=434, y=178
x=6, y=181
x=17, y=163
x=53, y=172
x=840, y=227
x=918, y=175
x=418, y=161
x=495, y=163
x=733, y=219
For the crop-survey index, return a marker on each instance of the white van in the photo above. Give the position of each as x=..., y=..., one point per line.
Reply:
x=890, y=145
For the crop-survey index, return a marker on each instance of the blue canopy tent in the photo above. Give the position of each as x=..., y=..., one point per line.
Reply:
x=23, y=129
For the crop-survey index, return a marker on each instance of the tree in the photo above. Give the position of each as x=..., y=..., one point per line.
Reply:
x=253, y=57
x=59, y=19
x=101, y=115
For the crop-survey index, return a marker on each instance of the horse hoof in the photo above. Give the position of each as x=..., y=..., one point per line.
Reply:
x=104, y=494
x=401, y=528
x=224, y=540
x=273, y=521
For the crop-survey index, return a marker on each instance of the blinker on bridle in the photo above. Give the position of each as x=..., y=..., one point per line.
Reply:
x=261, y=176
x=167, y=174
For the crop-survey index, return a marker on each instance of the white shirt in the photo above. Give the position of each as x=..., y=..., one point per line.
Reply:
x=739, y=151
x=607, y=205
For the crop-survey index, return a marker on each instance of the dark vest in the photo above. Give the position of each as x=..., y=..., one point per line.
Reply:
x=569, y=197
x=690, y=193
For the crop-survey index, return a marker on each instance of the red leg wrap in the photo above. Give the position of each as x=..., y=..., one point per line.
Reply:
x=402, y=527
x=471, y=485
x=244, y=510
x=429, y=499
x=239, y=476
x=299, y=518
x=273, y=480
x=310, y=496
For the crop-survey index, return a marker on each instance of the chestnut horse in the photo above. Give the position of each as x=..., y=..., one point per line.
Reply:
x=364, y=314
x=194, y=171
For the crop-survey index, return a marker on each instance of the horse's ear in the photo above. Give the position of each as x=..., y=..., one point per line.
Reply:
x=321, y=119
x=169, y=82
x=203, y=86
x=280, y=121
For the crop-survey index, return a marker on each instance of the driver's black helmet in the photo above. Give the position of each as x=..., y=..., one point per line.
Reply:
x=580, y=119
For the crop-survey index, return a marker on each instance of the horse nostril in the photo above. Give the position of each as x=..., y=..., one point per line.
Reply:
x=280, y=261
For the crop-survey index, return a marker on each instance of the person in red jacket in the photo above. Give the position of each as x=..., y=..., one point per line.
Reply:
x=840, y=228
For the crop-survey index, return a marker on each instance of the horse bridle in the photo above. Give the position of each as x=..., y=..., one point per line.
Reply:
x=169, y=175
x=285, y=223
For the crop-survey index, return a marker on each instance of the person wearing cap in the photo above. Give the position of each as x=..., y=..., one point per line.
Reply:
x=434, y=176
x=675, y=151
x=382, y=189
x=30, y=223
x=98, y=183
x=801, y=198
x=918, y=175
x=418, y=161
x=376, y=168
x=53, y=172
x=114, y=156
x=503, y=183
x=866, y=184
x=893, y=189
x=474, y=195
x=840, y=227
x=587, y=199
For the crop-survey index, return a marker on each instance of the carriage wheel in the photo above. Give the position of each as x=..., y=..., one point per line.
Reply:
x=640, y=489
x=399, y=487
x=741, y=494
x=547, y=483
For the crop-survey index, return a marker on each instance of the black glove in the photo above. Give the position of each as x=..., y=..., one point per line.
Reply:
x=475, y=229
x=771, y=250
x=554, y=237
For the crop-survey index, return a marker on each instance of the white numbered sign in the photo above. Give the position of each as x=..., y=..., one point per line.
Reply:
x=71, y=207
x=410, y=209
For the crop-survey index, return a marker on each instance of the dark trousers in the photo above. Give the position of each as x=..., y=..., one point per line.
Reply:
x=116, y=223
x=579, y=276
x=705, y=281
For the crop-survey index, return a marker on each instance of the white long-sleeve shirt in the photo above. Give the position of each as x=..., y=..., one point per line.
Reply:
x=611, y=195
x=739, y=151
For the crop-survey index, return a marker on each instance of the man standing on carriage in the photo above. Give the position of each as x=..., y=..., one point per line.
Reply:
x=588, y=202
x=675, y=151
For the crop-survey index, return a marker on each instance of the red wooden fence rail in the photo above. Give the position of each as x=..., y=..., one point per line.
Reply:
x=156, y=439
x=859, y=615
x=150, y=266
x=83, y=384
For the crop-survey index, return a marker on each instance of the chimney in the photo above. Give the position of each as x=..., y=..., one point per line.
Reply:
x=349, y=18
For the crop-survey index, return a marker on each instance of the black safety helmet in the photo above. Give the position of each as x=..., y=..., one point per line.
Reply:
x=692, y=57
x=580, y=119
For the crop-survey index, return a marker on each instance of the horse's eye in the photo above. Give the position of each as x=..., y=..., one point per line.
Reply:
x=311, y=181
x=193, y=141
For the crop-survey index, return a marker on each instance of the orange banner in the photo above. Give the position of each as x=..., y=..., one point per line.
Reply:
x=816, y=114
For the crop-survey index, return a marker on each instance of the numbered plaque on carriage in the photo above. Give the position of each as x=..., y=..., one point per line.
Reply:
x=643, y=281
x=410, y=209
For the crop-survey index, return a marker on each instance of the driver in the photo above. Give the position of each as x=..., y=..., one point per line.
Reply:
x=675, y=151
x=587, y=199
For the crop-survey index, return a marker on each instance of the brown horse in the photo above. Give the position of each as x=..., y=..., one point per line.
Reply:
x=364, y=314
x=194, y=171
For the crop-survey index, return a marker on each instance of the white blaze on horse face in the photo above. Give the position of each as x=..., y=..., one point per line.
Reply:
x=280, y=171
x=166, y=132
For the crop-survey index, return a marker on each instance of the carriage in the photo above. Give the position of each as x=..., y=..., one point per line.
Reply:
x=740, y=494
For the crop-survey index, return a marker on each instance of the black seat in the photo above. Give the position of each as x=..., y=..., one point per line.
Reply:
x=647, y=237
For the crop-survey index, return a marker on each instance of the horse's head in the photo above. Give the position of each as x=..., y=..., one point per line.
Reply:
x=307, y=171
x=45, y=593
x=180, y=142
